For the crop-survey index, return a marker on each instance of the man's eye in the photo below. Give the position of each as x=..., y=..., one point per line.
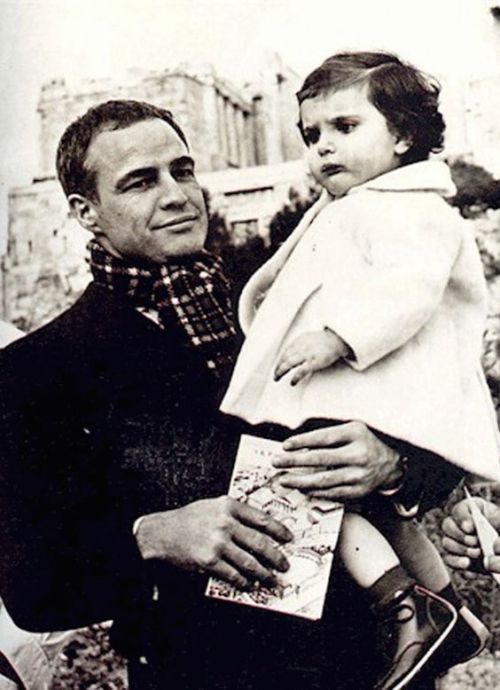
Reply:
x=142, y=183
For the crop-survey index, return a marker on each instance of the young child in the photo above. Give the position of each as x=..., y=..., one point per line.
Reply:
x=374, y=309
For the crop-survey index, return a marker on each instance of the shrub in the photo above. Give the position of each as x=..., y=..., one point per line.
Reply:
x=477, y=189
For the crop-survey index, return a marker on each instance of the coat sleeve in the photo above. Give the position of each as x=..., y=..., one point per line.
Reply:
x=394, y=253
x=65, y=551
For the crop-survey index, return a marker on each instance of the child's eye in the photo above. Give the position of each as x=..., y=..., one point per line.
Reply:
x=184, y=173
x=346, y=127
x=310, y=135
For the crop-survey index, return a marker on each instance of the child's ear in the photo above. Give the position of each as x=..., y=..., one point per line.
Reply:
x=84, y=211
x=402, y=145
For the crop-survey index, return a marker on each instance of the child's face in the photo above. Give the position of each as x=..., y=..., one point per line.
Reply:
x=348, y=139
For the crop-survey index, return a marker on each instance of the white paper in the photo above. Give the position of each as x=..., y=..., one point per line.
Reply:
x=301, y=591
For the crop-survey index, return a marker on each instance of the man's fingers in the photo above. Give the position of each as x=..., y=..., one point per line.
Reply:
x=230, y=574
x=321, y=457
x=328, y=437
x=247, y=565
x=261, y=546
x=340, y=493
x=322, y=480
x=261, y=521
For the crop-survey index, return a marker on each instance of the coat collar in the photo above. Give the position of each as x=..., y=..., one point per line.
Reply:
x=428, y=176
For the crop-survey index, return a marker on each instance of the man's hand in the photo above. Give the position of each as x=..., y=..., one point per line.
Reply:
x=308, y=353
x=460, y=541
x=219, y=536
x=341, y=462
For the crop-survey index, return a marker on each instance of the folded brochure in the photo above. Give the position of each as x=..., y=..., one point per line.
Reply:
x=315, y=524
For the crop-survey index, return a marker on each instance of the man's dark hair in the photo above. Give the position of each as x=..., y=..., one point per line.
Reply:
x=406, y=97
x=74, y=175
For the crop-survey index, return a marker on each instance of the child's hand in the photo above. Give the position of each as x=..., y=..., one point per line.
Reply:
x=308, y=353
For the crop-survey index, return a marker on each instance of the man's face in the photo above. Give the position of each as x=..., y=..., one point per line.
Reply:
x=149, y=204
x=348, y=139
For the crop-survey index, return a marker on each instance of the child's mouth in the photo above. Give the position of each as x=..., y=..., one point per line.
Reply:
x=330, y=169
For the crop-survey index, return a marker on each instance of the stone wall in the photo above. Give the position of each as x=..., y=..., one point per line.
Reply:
x=226, y=126
x=192, y=99
x=44, y=268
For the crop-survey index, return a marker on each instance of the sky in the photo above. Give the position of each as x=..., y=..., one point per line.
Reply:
x=73, y=39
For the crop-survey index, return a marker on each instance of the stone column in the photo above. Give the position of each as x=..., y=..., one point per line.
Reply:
x=230, y=131
x=221, y=129
x=241, y=138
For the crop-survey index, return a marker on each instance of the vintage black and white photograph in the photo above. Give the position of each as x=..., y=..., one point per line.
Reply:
x=249, y=345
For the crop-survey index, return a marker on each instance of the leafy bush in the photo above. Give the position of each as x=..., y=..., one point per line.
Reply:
x=287, y=218
x=89, y=663
x=477, y=189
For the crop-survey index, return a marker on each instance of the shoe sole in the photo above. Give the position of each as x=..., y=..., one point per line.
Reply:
x=478, y=627
x=417, y=668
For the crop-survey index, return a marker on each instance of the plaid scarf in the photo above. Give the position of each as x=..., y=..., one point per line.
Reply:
x=192, y=291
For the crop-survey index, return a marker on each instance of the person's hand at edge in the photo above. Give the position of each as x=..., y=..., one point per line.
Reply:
x=461, y=545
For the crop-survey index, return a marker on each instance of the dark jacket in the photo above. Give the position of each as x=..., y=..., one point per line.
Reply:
x=103, y=417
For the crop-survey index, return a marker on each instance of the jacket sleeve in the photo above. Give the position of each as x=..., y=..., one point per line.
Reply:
x=427, y=482
x=394, y=256
x=65, y=551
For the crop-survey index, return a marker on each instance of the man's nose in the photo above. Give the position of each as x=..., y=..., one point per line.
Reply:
x=171, y=192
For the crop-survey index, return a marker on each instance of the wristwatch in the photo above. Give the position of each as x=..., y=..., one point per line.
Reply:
x=402, y=468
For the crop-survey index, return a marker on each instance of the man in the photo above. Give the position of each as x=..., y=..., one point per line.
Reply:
x=114, y=460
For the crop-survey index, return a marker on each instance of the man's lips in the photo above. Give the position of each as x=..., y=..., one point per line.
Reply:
x=178, y=223
x=331, y=169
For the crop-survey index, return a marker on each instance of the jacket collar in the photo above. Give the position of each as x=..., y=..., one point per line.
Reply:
x=428, y=176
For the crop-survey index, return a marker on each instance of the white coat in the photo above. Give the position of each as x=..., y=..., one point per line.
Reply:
x=395, y=272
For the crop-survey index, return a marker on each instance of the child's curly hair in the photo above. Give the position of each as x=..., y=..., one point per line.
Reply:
x=406, y=97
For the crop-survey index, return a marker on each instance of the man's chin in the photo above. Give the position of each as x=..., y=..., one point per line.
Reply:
x=184, y=250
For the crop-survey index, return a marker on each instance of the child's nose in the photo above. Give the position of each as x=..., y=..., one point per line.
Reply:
x=326, y=145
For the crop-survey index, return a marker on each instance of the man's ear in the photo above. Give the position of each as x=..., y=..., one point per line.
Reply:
x=402, y=145
x=84, y=211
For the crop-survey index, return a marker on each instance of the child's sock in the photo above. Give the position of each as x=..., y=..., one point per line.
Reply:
x=417, y=553
x=392, y=583
x=450, y=594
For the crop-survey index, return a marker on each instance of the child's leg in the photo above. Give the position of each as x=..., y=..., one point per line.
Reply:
x=422, y=561
x=365, y=553
x=409, y=637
